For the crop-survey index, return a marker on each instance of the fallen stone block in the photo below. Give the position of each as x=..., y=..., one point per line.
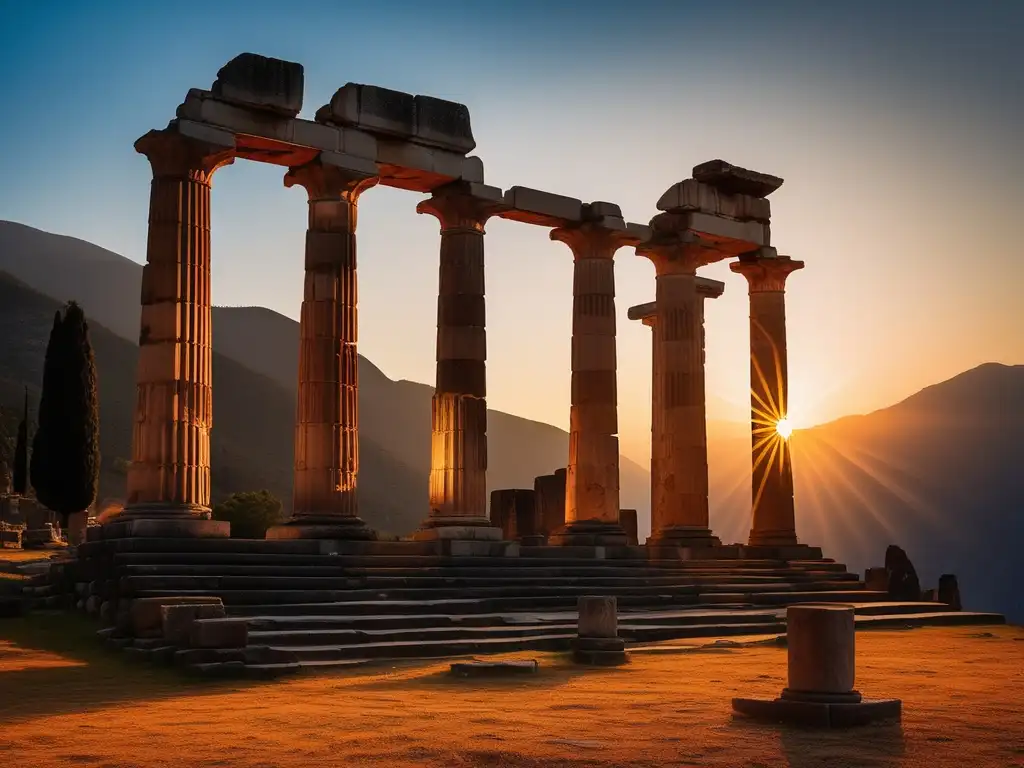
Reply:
x=263, y=83
x=477, y=668
x=147, y=612
x=177, y=620
x=443, y=124
x=734, y=180
x=219, y=633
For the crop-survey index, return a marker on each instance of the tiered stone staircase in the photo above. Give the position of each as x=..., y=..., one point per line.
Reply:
x=310, y=606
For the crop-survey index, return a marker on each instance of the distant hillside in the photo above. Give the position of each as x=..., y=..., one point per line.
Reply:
x=941, y=474
x=394, y=416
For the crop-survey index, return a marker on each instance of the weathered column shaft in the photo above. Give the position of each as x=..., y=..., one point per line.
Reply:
x=170, y=470
x=327, y=426
x=774, y=520
x=458, y=457
x=592, y=480
x=679, y=433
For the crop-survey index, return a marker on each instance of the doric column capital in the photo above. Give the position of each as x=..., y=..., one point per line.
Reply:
x=593, y=241
x=678, y=254
x=177, y=156
x=324, y=179
x=766, y=273
x=463, y=206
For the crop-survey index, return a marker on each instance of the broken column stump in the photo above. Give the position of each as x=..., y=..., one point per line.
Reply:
x=598, y=642
x=821, y=643
x=949, y=591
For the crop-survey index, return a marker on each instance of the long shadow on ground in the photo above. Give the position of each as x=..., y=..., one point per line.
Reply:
x=53, y=663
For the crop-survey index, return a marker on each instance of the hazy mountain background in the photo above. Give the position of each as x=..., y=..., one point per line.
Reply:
x=940, y=473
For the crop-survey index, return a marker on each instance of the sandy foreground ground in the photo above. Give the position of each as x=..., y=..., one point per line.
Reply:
x=65, y=703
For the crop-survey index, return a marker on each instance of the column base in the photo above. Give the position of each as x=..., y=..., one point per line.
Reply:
x=780, y=538
x=782, y=552
x=462, y=528
x=589, y=533
x=692, y=537
x=343, y=529
x=174, y=521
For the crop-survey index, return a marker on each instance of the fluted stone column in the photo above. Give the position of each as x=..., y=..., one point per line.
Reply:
x=661, y=517
x=169, y=477
x=774, y=522
x=458, y=455
x=326, y=501
x=679, y=497
x=592, y=480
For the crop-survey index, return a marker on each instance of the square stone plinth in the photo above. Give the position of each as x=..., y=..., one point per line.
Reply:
x=819, y=715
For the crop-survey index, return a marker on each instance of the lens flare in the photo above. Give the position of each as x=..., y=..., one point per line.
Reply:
x=784, y=428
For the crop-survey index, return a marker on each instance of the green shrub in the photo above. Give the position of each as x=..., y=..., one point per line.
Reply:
x=250, y=513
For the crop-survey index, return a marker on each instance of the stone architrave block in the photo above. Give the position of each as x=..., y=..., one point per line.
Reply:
x=472, y=169
x=598, y=617
x=262, y=83
x=545, y=208
x=719, y=227
x=219, y=633
x=371, y=108
x=147, y=612
x=404, y=154
x=178, y=620
x=444, y=124
x=734, y=180
x=692, y=195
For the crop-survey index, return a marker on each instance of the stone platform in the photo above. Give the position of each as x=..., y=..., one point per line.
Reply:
x=316, y=604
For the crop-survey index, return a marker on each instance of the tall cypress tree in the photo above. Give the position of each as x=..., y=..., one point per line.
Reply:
x=66, y=456
x=49, y=424
x=19, y=483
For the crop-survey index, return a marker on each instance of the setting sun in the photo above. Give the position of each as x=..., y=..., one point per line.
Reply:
x=784, y=428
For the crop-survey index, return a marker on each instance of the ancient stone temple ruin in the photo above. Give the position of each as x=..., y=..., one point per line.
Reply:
x=303, y=593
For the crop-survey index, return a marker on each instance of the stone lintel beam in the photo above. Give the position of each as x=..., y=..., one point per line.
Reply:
x=545, y=209
x=733, y=180
x=261, y=83
x=381, y=111
x=291, y=142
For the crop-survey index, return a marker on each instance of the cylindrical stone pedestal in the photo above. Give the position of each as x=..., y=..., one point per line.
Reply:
x=821, y=641
x=598, y=640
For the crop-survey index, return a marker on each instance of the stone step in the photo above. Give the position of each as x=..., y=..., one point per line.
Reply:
x=241, y=589
x=836, y=596
x=418, y=562
x=930, y=619
x=737, y=575
x=303, y=582
x=298, y=641
x=300, y=624
x=345, y=605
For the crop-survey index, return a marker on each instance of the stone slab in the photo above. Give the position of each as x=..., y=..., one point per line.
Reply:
x=477, y=668
x=532, y=206
x=219, y=633
x=460, y=532
x=732, y=179
x=354, y=530
x=172, y=528
x=146, y=613
x=424, y=119
x=177, y=620
x=816, y=715
x=261, y=82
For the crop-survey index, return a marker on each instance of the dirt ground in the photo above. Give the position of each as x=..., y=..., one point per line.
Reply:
x=65, y=702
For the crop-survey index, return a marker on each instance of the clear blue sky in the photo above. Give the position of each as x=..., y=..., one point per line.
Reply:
x=897, y=126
